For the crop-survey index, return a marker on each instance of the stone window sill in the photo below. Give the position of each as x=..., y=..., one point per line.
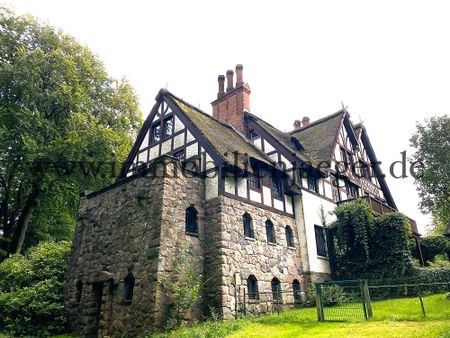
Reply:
x=272, y=243
x=254, y=301
x=250, y=238
x=323, y=257
x=193, y=234
x=291, y=247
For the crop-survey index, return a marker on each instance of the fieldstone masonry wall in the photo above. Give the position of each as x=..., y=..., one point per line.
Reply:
x=136, y=227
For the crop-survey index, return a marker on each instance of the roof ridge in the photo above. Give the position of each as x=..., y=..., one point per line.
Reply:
x=321, y=120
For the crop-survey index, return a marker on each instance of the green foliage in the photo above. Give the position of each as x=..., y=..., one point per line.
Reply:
x=32, y=291
x=432, y=144
x=368, y=246
x=334, y=294
x=181, y=287
x=64, y=125
x=432, y=246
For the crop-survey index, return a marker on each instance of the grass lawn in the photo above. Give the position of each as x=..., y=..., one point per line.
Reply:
x=392, y=318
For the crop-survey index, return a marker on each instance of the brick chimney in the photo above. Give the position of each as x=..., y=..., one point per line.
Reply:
x=305, y=121
x=229, y=106
x=297, y=124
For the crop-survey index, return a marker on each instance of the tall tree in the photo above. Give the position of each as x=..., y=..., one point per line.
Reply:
x=64, y=123
x=432, y=143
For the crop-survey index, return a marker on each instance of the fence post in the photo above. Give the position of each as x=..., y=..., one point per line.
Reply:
x=319, y=304
x=278, y=300
x=421, y=300
x=367, y=300
x=361, y=289
x=245, y=304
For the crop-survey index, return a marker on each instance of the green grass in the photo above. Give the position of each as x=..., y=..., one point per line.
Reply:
x=392, y=318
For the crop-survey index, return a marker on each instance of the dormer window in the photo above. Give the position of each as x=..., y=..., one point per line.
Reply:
x=276, y=186
x=312, y=183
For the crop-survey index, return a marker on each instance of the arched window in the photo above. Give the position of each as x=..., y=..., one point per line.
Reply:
x=297, y=291
x=276, y=289
x=128, y=287
x=191, y=220
x=248, y=226
x=252, y=287
x=270, y=232
x=289, y=236
x=79, y=291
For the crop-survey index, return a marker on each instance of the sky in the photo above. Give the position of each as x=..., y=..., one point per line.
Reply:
x=387, y=61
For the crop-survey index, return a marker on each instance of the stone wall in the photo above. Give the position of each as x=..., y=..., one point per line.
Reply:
x=235, y=257
x=131, y=228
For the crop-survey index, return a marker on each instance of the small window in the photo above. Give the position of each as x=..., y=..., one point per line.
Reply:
x=156, y=133
x=312, y=183
x=344, y=155
x=297, y=291
x=321, y=241
x=129, y=287
x=248, y=226
x=79, y=291
x=276, y=186
x=276, y=289
x=289, y=236
x=191, y=220
x=168, y=127
x=253, y=181
x=270, y=232
x=252, y=287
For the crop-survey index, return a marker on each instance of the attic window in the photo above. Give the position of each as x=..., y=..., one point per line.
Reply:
x=168, y=126
x=156, y=133
x=253, y=134
x=296, y=144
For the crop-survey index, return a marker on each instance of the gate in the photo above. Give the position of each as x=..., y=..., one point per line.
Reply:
x=343, y=300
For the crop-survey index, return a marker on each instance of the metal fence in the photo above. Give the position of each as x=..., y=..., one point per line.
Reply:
x=382, y=299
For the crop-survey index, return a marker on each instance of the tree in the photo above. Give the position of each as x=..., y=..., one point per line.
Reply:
x=64, y=126
x=432, y=144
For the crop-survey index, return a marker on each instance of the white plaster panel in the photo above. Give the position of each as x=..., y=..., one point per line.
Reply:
x=178, y=141
x=242, y=187
x=166, y=146
x=278, y=204
x=267, y=196
x=255, y=196
x=154, y=152
x=192, y=150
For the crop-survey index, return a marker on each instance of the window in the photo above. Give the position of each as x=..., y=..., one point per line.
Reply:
x=297, y=291
x=156, y=133
x=128, y=287
x=335, y=189
x=253, y=181
x=276, y=186
x=321, y=241
x=191, y=220
x=352, y=190
x=248, y=226
x=365, y=171
x=276, y=289
x=253, y=134
x=289, y=236
x=79, y=291
x=270, y=232
x=180, y=155
x=252, y=287
x=168, y=127
x=312, y=183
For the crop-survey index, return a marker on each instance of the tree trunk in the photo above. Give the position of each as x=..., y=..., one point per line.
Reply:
x=24, y=218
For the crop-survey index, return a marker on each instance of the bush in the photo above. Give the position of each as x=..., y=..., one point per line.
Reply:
x=32, y=291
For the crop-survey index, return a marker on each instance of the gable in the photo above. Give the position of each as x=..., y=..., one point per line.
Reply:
x=165, y=132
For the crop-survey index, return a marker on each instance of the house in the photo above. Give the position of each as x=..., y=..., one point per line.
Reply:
x=250, y=205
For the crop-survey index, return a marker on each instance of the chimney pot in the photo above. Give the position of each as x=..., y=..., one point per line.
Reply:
x=221, y=80
x=305, y=121
x=297, y=124
x=230, y=74
x=239, y=77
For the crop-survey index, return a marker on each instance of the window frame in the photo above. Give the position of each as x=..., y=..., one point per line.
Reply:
x=289, y=236
x=270, y=232
x=254, y=181
x=277, y=187
x=276, y=294
x=191, y=221
x=252, y=288
x=313, y=179
x=321, y=240
x=297, y=291
x=128, y=287
x=248, y=226
x=153, y=127
x=165, y=121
